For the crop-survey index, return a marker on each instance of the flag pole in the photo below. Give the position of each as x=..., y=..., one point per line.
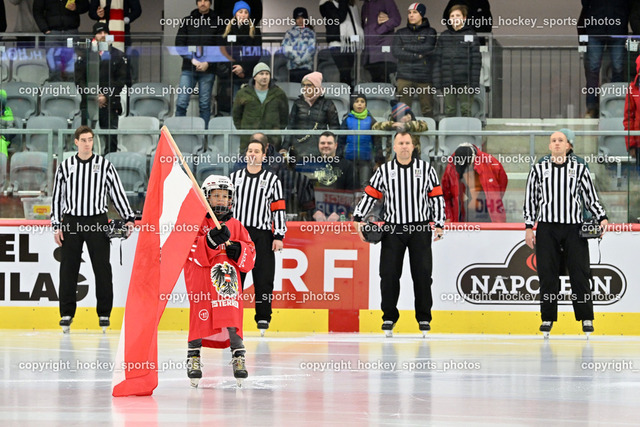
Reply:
x=193, y=180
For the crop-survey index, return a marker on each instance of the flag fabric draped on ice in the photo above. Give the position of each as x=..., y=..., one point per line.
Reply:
x=173, y=211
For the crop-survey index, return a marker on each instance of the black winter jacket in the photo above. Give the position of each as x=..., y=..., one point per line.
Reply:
x=206, y=33
x=457, y=62
x=53, y=15
x=322, y=115
x=334, y=15
x=414, y=46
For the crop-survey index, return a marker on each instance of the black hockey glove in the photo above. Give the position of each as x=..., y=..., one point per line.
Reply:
x=234, y=250
x=217, y=236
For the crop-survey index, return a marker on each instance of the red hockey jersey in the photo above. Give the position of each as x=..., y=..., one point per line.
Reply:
x=214, y=287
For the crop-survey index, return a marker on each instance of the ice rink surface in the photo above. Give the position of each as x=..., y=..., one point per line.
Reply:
x=326, y=379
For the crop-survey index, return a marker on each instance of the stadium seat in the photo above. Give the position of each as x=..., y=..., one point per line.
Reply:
x=150, y=100
x=378, y=97
x=33, y=69
x=5, y=71
x=22, y=98
x=339, y=93
x=60, y=99
x=216, y=142
x=28, y=172
x=140, y=143
x=612, y=100
x=280, y=68
x=292, y=90
x=187, y=143
x=327, y=66
x=427, y=142
x=39, y=142
x=132, y=170
x=3, y=170
x=448, y=143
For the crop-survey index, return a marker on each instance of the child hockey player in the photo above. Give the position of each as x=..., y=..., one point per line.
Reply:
x=212, y=277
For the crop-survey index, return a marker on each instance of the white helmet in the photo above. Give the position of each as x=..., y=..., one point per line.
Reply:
x=218, y=182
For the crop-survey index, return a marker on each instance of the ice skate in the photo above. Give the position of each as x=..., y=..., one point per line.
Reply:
x=387, y=327
x=66, y=322
x=587, y=327
x=545, y=328
x=263, y=325
x=239, y=368
x=194, y=371
x=104, y=323
x=424, y=327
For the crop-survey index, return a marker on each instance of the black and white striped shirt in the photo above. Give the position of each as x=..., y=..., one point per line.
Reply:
x=259, y=201
x=553, y=193
x=81, y=187
x=412, y=194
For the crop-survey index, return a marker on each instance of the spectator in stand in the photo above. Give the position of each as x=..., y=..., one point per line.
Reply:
x=480, y=19
x=25, y=22
x=119, y=26
x=457, y=63
x=602, y=20
x=225, y=10
x=473, y=185
x=299, y=46
x=6, y=121
x=112, y=77
x=343, y=25
x=401, y=119
x=632, y=115
x=245, y=53
x=379, y=18
x=260, y=105
x=59, y=17
x=194, y=71
x=360, y=148
x=333, y=175
x=414, y=46
x=310, y=111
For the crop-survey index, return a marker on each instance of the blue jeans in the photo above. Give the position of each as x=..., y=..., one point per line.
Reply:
x=593, y=61
x=188, y=80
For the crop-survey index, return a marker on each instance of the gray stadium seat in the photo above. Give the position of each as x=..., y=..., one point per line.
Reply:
x=427, y=142
x=378, y=97
x=448, y=143
x=187, y=143
x=5, y=71
x=339, y=93
x=327, y=66
x=28, y=171
x=293, y=91
x=60, y=99
x=33, y=69
x=150, y=100
x=143, y=144
x=280, y=68
x=3, y=170
x=132, y=170
x=612, y=99
x=216, y=142
x=610, y=145
x=40, y=142
x=208, y=164
x=22, y=98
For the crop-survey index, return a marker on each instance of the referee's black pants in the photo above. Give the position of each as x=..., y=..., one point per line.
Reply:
x=394, y=245
x=263, y=271
x=76, y=230
x=550, y=239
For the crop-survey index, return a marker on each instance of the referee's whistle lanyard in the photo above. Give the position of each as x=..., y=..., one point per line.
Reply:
x=111, y=242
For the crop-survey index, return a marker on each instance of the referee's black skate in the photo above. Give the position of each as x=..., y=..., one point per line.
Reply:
x=263, y=325
x=545, y=328
x=587, y=327
x=238, y=364
x=194, y=370
x=425, y=327
x=104, y=323
x=387, y=327
x=66, y=322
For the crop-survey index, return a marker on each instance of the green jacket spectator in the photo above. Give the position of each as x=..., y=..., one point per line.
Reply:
x=6, y=121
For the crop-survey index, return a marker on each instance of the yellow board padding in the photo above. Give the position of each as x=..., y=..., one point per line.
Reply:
x=317, y=320
x=173, y=319
x=503, y=323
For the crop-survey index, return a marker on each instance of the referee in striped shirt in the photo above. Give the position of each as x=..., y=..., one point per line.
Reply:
x=412, y=198
x=555, y=189
x=79, y=215
x=259, y=205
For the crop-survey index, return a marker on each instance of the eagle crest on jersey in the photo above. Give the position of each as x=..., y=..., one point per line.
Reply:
x=225, y=279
